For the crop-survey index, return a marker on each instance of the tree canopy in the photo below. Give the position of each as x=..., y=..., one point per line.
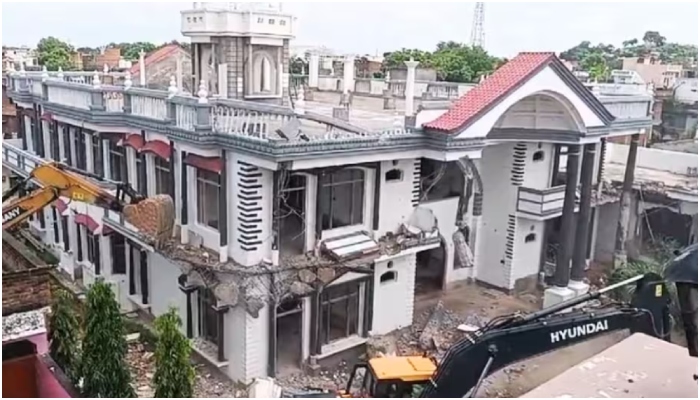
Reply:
x=54, y=53
x=130, y=51
x=598, y=60
x=453, y=61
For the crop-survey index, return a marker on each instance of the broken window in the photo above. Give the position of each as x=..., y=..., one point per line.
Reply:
x=117, y=162
x=163, y=178
x=292, y=212
x=208, y=186
x=341, y=198
x=440, y=180
x=340, y=311
x=208, y=321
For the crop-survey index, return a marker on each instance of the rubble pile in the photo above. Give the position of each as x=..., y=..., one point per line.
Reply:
x=330, y=379
x=208, y=384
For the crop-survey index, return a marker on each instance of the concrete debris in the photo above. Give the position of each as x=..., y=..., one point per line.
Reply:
x=300, y=288
x=253, y=306
x=154, y=217
x=265, y=388
x=207, y=384
x=381, y=346
x=19, y=325
x=428, y=338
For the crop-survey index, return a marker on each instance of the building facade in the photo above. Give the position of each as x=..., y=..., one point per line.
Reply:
x=299, y=235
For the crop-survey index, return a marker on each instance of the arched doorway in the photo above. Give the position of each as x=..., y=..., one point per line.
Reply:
x=430, y=269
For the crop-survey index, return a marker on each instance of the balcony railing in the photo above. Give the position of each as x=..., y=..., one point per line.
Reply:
x=21, y=162
x=541, y=203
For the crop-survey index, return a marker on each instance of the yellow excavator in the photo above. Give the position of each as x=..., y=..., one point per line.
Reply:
x=153, y=217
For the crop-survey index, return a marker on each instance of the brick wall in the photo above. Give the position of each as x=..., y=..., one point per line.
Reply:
x=24, y=286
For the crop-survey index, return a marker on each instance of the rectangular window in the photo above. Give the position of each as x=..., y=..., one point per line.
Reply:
x=93, y=252
x=79, y=230
x=163, y=178
x=67, y=144
x=340, y=311
x=42, y=218
x=118, y=254
x=117, y=162
x=341, y=198
x=97, y=166
x=208, y=320
x=54, y=138
x=141, y=179
x=56, y=233
x=208, y=187
x=80, y=150
x=64, y=231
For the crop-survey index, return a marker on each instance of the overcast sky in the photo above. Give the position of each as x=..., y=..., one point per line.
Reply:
x=369, y=28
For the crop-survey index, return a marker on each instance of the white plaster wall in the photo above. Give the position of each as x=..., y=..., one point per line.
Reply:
x=538, y=174
x=446, y=213
x=607, y=216
x=246, y=344
x=526, y=256
x=164, y=291
x=499, y=201
x=393, y=301
x=395, y=197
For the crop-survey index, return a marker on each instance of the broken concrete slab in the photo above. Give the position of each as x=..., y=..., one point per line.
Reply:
x=426, y=340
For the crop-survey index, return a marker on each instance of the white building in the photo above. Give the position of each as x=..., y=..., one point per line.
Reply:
x=301, y=231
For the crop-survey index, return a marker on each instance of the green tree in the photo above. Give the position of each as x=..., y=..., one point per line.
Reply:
x=396, y=59
x=653, y=38
x=104, y=369
x=596, y=65
x=130, y=51
x=298, y=66
x=54, y=53
x=64, y=335
x=456, y=62
x=174, y=377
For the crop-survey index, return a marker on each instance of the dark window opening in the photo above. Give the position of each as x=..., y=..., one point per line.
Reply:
x=530, y=238
x=93, y=252
x=163, y=178
x=117, y=162
x=538, y=156
x=55, y=222
x=341, y=198
x=141, y=179
x=67, y=145
x=79, y=139
x=389, y=276
x=64, y=231
x=118, y=247
x=292, y=216
x=208, y=321
x=393, y=175
x=440, y=180
x=42, y=218
x=54, y=138
x=208, y=186
x=97, y=156
x=340, y=312
x=79, y=230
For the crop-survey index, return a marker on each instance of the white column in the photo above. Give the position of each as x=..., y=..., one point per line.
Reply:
x=313, y=71
x=410, y=85
x=349, y=74
x=142, y=68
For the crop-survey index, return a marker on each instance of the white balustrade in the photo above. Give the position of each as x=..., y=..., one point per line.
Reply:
x=114, y=101
x=78, y=97
x=36, y=87
x=149, y=107
x=185, y=116
x=236, y=121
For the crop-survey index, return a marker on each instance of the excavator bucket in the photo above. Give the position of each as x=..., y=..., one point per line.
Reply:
x=154, y=217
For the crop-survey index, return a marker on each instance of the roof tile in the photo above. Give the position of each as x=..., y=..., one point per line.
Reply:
x=491, y=90
x=155, y=56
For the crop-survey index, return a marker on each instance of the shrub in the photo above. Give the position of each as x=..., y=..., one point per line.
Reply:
x=64, y=335
x=174, y=377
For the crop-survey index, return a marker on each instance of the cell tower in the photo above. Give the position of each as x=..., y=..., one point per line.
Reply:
x=478, y=34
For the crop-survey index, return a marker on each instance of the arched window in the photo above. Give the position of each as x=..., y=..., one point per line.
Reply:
x=264, y=77
x=393, y=175
x=538, y=156
x=388, y=277
x=530, y=238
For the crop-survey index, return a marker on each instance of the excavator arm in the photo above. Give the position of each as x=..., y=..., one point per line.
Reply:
x=57, y=180
x=515, y=338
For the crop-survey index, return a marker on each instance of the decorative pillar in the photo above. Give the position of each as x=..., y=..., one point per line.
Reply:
x=144, y=276
x=188, y=290
x=313, y=71
x=220, y=313
x=410, y=86
x=623, y=221
x=349, y=74
x=578, y=264
x=142, y=68
x=560, y=292
x=184, y=236
x=223, y=210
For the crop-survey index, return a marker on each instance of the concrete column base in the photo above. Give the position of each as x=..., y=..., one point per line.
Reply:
x=555, y=295
x=579, y=288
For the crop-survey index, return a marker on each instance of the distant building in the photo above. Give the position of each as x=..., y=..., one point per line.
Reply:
x=162, y=64
x=653, y=70
x=16, y=56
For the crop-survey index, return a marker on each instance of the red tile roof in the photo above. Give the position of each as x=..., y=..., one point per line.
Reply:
x=493, y=89
x=155, y=57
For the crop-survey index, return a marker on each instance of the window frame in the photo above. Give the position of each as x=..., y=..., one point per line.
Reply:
x=348, y=294
x=161, y=172
x=329, y=185
x=205, y=178
x=115, y=150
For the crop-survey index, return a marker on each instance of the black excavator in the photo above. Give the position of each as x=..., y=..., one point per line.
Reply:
x=512, y=338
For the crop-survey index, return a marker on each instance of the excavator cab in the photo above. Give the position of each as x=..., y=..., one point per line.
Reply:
x=390, y=377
